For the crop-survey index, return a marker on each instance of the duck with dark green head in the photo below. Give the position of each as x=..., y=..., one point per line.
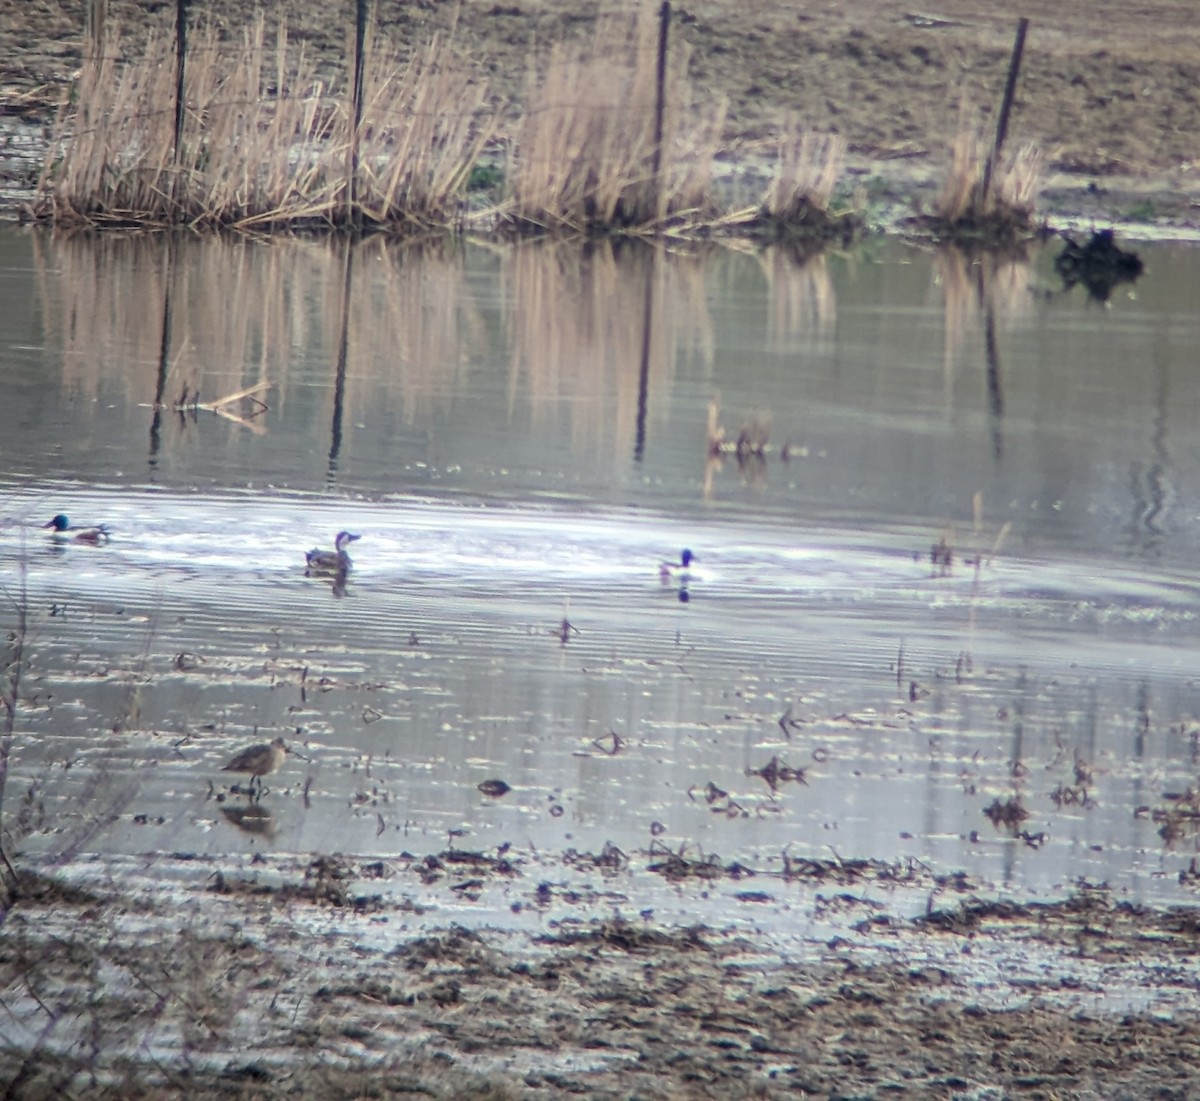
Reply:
x=61, y=531
x=677, y=571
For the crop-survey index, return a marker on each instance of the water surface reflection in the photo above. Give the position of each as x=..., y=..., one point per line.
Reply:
x=522, y=435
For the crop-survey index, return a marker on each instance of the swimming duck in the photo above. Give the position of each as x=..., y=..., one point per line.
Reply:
x=259, y=761
x=334, y=561
x=62, y=532
x=677, y=570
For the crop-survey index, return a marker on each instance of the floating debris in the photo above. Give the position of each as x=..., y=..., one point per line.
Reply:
x=1009, y=813
x=776, y=772
x=1099, y=264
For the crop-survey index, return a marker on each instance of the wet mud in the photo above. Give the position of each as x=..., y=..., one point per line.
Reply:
x=286, y=978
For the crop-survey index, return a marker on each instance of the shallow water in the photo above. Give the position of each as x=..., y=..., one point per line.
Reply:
x=519, y=435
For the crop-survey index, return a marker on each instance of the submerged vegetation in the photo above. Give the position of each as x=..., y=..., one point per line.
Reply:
x=611, y=137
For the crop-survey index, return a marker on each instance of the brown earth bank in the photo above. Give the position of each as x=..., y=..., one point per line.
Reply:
x=277, y=978
x=1109, y=91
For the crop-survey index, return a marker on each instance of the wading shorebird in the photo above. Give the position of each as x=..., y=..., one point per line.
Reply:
x=259, y=761
x=334, y=561
x=677, y=570
x=62, y=532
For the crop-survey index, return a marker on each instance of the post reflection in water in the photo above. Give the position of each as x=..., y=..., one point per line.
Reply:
x=590, y=370
x=811, y=425
x=410, y=339
x=164, y=354
x=339, y=378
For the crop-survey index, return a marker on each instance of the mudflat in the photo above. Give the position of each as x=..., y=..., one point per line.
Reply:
x=276, y=976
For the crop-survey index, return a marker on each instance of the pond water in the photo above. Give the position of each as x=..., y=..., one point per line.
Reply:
x=521, y=435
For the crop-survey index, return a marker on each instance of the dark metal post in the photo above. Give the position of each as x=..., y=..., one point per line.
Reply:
x=660, y=97
x=1010, y=88
x=97, y=19
x=354, y=215
x=180, y=65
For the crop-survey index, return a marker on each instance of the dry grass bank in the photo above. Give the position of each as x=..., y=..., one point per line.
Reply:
x=612, y=137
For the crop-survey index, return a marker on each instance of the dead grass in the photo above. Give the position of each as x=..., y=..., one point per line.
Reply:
x=268, y=142
x=250, y=159
x=809, y=167
x=585, y=151
x=963, y=207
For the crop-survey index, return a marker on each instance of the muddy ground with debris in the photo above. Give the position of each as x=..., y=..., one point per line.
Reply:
x=1109, y=91
x=282, y=977
x=274, y=977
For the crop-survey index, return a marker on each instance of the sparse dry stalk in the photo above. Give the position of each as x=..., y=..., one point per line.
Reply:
x=960, y=188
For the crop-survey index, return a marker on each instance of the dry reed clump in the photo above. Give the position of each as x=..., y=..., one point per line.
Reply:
x=962, y=208
x=585, y=151
x=798, y=196
x=265, y=142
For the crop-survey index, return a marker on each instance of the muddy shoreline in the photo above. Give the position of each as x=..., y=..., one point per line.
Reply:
x=276, y=976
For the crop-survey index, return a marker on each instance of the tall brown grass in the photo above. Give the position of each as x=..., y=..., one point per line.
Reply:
x=268, y=141
x=809, y=167
x=1009, y=202
x=584, y=151
x=265, y=140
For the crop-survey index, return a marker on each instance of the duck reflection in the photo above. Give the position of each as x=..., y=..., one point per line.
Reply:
x=677, y=575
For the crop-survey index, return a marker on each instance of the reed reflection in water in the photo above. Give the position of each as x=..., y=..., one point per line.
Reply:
x=904, y=382
x=337, y=337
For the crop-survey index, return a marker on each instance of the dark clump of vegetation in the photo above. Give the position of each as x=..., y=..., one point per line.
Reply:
x=1097, y=263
